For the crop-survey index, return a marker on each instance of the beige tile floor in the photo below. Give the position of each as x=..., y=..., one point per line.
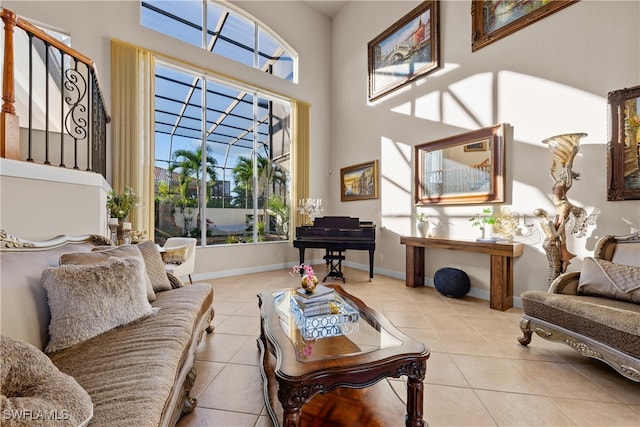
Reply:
x=477, y=375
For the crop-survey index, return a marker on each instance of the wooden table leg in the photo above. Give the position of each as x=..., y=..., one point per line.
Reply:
x=501, y=286
x=415, y=266
x=415, y=391
x=292, y=418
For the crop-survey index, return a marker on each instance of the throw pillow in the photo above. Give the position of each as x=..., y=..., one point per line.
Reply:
x=155, y=266
x=32, y=385
x=102, y=254
x=175, y=255
x=88, y=300
x=604, y=278
x=176, y=282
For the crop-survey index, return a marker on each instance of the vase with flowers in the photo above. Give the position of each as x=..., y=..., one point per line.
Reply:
x=308, y=281
x=120, y=206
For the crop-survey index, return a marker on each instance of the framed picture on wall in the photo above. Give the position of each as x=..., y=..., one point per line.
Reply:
x=492, y=20
x=476, y=146
x=359, y=182
x=405, y=51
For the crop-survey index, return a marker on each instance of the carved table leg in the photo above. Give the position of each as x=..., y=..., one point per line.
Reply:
x=415, y=391
x=292, y=417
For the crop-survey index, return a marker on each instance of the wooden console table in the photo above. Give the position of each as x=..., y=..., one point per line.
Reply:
x=502, y=254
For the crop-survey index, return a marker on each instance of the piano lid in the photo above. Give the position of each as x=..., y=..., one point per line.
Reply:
x=336, y=222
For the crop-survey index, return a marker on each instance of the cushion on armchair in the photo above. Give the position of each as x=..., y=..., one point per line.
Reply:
x=88, y=300
x=608, y=279
x=175, y=255
x=35, y=392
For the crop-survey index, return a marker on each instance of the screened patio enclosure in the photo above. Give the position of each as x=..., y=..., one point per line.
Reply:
x=222, y=155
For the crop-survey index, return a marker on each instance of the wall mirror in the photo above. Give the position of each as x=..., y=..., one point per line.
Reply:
x=623, y=163
x=462, y=169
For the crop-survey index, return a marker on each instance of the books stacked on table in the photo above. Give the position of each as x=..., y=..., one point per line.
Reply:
x=316, y=303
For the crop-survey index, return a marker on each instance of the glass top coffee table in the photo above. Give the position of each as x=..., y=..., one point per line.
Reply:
x=340, y=358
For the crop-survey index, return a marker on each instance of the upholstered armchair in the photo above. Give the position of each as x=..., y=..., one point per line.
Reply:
x=596, y=311
x=179, y=255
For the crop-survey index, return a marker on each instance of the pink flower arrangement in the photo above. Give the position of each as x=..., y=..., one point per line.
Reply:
x=306, y=269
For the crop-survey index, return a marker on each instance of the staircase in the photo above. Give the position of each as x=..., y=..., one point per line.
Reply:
x=52, y=136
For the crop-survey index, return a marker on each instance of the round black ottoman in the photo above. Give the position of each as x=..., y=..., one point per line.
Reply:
x=451, y=282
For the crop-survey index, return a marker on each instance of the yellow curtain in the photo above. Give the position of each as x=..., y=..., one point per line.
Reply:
x=300, y=156
x=132, y=104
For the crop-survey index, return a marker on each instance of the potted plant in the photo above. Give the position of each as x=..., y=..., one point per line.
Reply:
x=424, y=224
x=482, y=220
x=120, y=206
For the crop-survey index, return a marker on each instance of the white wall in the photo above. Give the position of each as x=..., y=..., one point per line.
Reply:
x=40, y=202
x=549, y=78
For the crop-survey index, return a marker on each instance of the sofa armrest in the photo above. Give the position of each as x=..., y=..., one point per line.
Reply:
x=566, y=283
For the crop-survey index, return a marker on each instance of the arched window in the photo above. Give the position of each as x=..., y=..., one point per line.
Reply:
x=224, y=31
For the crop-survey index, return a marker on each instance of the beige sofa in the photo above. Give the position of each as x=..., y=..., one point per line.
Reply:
x=595, y=311
x=136, y=374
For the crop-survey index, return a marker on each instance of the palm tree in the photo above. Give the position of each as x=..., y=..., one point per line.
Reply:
x=189, y=164
x=269, y=175
x=243, y=177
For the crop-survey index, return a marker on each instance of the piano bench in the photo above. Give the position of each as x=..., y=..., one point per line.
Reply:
x=334, y=261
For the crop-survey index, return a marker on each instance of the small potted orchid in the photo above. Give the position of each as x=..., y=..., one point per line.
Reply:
x=309, y=281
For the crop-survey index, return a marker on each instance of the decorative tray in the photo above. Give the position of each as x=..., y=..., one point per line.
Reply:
x=326, y=325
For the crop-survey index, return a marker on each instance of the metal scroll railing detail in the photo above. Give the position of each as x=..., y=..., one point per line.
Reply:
x=57, y=113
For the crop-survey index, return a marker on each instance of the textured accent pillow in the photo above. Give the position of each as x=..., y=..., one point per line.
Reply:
x=88, y=300
x=155, y=266
x=32, y=384
x=175, y=281
x=607, y=279
x=175, y=255
x=102, y=254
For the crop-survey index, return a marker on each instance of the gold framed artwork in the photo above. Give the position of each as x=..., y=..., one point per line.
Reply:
x=492, y=20
x=476, y=146
x=623, y=150
x=405, y=51
x=359, y=182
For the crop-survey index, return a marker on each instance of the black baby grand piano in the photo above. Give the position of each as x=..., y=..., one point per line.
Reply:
x=337, y=234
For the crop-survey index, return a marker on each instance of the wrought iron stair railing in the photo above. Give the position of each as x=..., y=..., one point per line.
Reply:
x=56, y=113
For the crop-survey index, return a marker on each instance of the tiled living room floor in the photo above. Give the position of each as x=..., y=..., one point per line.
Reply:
x=477, y=375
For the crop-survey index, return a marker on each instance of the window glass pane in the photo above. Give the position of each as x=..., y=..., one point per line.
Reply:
x=235, y=141
x=273, y=57
x=228, y=33
x=180, y=19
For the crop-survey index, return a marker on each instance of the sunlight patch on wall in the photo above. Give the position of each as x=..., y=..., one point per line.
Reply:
x=542, y=108
x=395, y=186
x=428, y=107
x=468, y=104
x=404, y=109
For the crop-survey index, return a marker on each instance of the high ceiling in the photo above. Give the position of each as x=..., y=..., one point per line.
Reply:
x=329, y=8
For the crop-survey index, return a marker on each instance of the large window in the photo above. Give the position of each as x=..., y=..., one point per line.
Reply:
x=223, y=31
x=222, y=155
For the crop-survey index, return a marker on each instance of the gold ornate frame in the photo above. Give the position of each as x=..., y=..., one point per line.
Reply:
x=483, y=12
x=407, y=52
x=623, y=159
x=359, y=182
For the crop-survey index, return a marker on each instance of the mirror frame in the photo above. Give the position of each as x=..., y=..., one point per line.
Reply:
x=494, y=136
x=616, y=189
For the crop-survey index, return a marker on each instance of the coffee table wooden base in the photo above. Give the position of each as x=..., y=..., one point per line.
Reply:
x=377, y=405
